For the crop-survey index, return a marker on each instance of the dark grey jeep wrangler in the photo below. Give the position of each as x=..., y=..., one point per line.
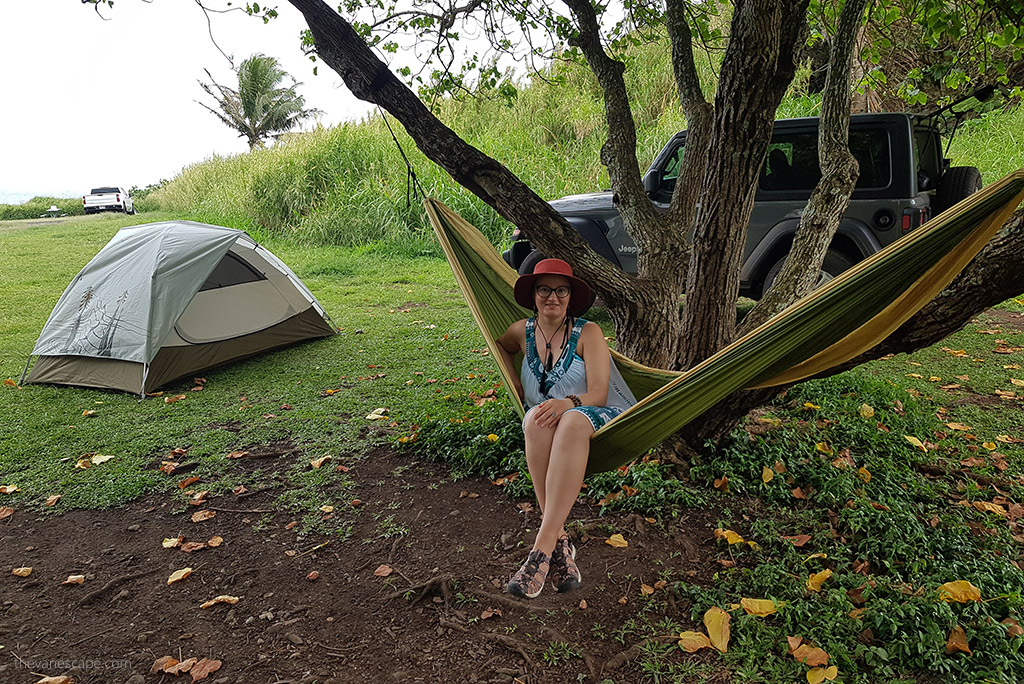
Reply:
x=904, y=181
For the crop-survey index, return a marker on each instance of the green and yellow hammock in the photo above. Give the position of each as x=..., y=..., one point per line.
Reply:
x=833, y=324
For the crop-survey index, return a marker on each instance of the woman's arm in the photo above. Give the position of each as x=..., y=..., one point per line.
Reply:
x=513, y=341
x=593, y=348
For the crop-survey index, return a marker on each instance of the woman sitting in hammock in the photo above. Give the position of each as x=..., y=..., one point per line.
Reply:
x=570, y=388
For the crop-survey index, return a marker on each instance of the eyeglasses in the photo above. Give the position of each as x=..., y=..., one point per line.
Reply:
x=562, y=291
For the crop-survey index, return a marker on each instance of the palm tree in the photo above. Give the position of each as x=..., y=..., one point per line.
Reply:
x=262, y=106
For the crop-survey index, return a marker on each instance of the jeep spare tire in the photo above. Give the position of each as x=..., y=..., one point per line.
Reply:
x=958, y=183
x=530, y=262
x=835, y=262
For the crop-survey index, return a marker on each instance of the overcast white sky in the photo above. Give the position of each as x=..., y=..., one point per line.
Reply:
x=87, y=102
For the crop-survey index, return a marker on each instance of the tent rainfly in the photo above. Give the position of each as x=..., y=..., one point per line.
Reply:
x=166, y=300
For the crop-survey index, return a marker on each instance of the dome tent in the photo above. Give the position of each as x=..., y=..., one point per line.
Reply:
x=166, y=300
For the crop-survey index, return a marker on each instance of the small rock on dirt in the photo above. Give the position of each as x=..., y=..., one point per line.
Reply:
x=136, y=679
x=294, y=638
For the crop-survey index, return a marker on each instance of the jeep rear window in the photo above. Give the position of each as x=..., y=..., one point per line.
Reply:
x=792, y=160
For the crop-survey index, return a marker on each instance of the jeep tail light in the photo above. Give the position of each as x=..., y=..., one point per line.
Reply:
x=914, y=218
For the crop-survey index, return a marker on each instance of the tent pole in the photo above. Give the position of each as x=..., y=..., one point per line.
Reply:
x=145, y=374
x=25, y=372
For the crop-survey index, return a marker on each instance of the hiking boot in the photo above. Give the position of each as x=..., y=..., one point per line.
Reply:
x=529, y=579
x=565, y=575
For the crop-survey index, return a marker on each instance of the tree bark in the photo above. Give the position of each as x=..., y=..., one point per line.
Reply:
x=831, y=196
x=759, y=65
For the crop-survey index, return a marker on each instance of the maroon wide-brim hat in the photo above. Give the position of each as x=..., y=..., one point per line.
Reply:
x=579, y=300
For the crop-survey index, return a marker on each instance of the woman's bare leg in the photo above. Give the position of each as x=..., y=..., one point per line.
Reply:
x=538, y=455
x=565, y=466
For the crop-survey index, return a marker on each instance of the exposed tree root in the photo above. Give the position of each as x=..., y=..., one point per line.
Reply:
x=93, y=595
x=945, y=471
x=630, y=654
x=441, y=584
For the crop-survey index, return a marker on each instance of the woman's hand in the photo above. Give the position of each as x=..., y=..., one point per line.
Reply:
x=549, y=412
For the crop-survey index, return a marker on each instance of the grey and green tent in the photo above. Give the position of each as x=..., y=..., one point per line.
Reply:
x=167, y=300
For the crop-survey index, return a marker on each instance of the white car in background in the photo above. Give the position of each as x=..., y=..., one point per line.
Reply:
x=108, y=198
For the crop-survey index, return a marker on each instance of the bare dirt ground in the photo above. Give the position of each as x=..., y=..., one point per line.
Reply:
x=441, y=615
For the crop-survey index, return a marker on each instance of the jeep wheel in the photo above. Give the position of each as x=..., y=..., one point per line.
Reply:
x=834, y=264
x=958, y=183
x=530, y=262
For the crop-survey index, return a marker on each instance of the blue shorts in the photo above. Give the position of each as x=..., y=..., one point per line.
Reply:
x=597, y=415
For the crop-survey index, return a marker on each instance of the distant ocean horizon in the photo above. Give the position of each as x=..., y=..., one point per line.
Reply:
x=7, y=197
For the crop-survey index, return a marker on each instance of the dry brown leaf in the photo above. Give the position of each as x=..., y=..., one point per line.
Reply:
x=179, y=575
x=215, y=541
x=51, y=500
x=223, y=598
x=716, y=622
x=1013, y=627
x=722, y=483
x=691, y=642
x=960, y=591
x=6, y=512
x=313, y=576
x=583, y=604
x=183, y=666
x=9, y=489
x=188, y=481
x=815, y=581
x=798, y=493
x=988, y=507
x=74, y=579
x=189, y=547
x=237, y=454
x=617, y=540
x=856, y=613
x=22, y=572
x=176, y=398
x=163, y=662
x=383, y=570
x=799, y=540
x=646, y=589
x=59, y=679
x=200, y=516
x=490, y=612
x=810, y=655
x=957, y=641
x=355, y=503
x=758, y=607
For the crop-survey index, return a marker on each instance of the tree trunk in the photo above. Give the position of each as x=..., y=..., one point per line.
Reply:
x=759, y=64
x=831, y=196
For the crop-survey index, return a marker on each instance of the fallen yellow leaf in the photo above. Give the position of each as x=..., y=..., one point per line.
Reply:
x=864, y=475
x=960, y=591
x=74, y=579
x=100, y=458
x=377, y=414
x=9, y=489
x=958, y=426
x=824, y=448
x=179, y=575
x=223, y=598
x=716, y=621
x=617, y=540
x=817, y=675
x=729, y=536
x=317, y=462
x=171, y=542
x=215, y=541
x=815, y=581
x=691, y=642
x=916, y=442
x=759, y=607
x=767, y=474
x=22, y=572
x=866, y=411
